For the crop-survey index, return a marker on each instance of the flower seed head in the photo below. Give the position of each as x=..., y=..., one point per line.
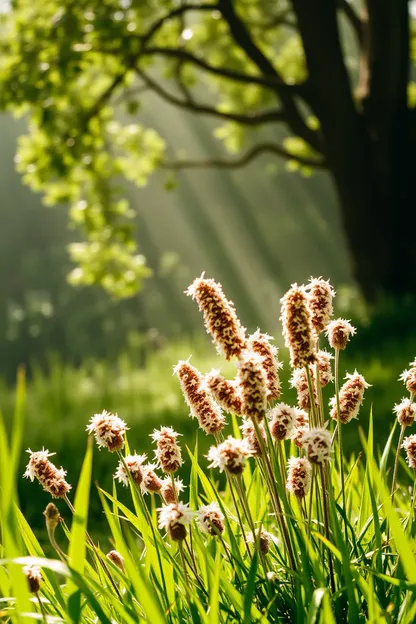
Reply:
x=34, y=577
x=52, y=517
x=134, y=465
x=351, y=397
x=301, y=427
x=409, y=444
x=151, y=483
x=220, y=318
x=226, y=393
x=49, y=476
x=253, y=385
x=408, y=377
x=260, y=343
x=324, y=366
x=168, y=452
x=199, y=399
x=299, y=380
x=117, y=559
x=405, y=412
x=108, y=430
x=320, y=295
x=298, y=332
x=230, y=455
x=211, y=519
x=339, y=333
x=265, y=540
x=175, y=518
x=282, y=421
x=167, y=491
x=250, y=435
x=299, y=476
x=317, y=444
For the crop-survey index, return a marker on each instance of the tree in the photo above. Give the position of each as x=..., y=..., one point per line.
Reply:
x=334, y=74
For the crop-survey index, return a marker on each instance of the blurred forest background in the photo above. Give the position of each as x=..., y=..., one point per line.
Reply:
x=255, y=229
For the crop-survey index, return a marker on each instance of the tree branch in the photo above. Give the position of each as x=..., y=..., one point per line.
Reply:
x=347, y=8
x=178, y=12
x=245, y=159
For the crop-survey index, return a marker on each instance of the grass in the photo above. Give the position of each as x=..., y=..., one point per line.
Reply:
x=325, y=560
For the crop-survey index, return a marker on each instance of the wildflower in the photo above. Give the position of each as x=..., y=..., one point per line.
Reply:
x=323, y=359
x=250, y=435
x=175, y=518
x=405, y=412
x=298, y=332
x=220, y=318
x=299, y=380
x=33, y=576
x=168, y=452
x=108, y=430
x=211, y=519
x=151, y=483
x=299, y=476
x=49, y=476
x=350, y=398
x=283, y=418
x=167, y=492
x=409, y=444
x=320, y=295
x=117, y=559
x=199, y=400
x=264, y=539
x=225, y=392
x=253, y=385
x=260, y=343
x=301, y=427
x=408, y=377
x=339, y=333
x=134, y=465
x=317, y=444
x=230, y=455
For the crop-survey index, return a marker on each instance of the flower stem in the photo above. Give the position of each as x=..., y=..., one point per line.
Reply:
x=396, y=462
x=326, y=521
x=340, y=449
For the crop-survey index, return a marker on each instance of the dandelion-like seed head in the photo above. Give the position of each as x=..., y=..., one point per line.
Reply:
x=211, y=519
x=249, y=433
x=351, y=397
x=409, y=445
x=320, y=295
x=299, y=476
x=226, y=393
x=323, y=359
x=282, y=421
x=264, y=539
x=168, y=452
x=317, y=444
x=117, y=559
x=108, y=430
x=260, y=343
x=199, y=399
x=34, y=577
x=175, y=518
x=405, y=412
x=220, y=318
x=151, y=483
x=408, y=377
x=230, y=455
x=298, y=332
x=339, y=332
x=168, y=493
x=134, y=465
x=253, y=385
x=301, y=427
x=49, y=476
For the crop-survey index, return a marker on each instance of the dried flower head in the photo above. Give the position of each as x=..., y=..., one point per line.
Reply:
x=52, y=517
x=117, y=559
x=151, y=483
x=265, y=538
x=320, y=295
x=134, y=465
x=33, y=576
x=317, y=444
x=175, y=518
x=199, y=399
x=253, y=385
x=211, y=519
x=405, y=412
x=168, y=452
x=350, y=398
x=230, y=455
x=220, y=318
x=282, y=421
x=250, y=435
x=49, y=476
x=408, y=377
x=409, y=444
x=108, y=430
x=225, y=392
x=167, y=492
x=299, y=476
x=260, y=343
x=323, y=359
x=299, y=380
x=298, y=332
x=301, y=427
x=339, y=333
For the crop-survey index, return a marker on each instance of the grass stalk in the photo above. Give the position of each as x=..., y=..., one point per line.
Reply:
x=340, y=447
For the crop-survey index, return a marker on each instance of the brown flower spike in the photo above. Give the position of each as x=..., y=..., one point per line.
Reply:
x=211, y=519
x=405, y=412
x=317, y=444
x=49, y=476
x=253, y=385
x=408, y=377
x=168, y=452
x=409, y=445
x=151, y=483
x=260, y=343
x=34, y=577
x=299, y=381
x=283, y=419
x=299, y=476
x=230, y=455
x=298, y=332
x=249, y=434
x=108, y=430
x=350, y=398
x=220, y=318
x=301, y=427
x=225, y=392
x=320, y=295
x=339, y=333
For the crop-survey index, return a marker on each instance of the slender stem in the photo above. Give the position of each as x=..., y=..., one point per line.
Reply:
x=41, y=607
x=313, y=477
x=281, y=462
x=185, y=574
x=396, y=462
x=319, y=393
x=175, y=493
x=341, y=453
x=311, y=397
x=326, y=521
